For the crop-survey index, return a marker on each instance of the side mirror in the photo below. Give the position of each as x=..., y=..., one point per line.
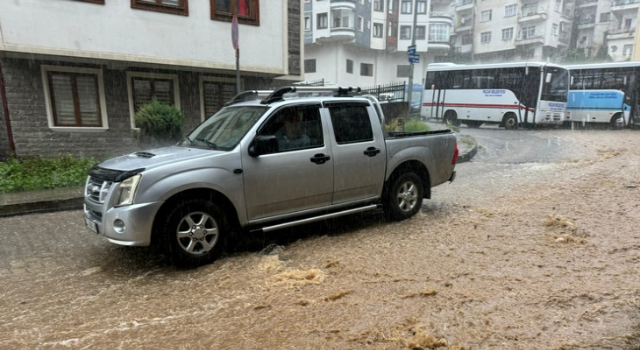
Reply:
x=263, y=144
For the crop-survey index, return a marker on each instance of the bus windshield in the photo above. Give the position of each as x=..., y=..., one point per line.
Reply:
x=556, y=85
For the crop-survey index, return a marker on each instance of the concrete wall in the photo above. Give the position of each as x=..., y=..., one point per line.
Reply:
x=118, y=32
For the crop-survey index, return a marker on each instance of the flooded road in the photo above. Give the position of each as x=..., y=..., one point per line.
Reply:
x=537, y=251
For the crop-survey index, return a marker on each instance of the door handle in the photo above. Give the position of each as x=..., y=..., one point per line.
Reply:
x=371, y=151
x=320, y=158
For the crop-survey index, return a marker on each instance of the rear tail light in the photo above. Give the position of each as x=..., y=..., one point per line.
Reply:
x=455, y=155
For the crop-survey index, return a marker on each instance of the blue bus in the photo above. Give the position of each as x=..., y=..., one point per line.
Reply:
x=605, y=93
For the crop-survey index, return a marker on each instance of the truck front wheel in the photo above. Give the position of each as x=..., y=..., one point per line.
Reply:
x=404, y=197
x=195, y=231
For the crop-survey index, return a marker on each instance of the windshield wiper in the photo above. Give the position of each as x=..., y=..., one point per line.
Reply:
x=207, y=142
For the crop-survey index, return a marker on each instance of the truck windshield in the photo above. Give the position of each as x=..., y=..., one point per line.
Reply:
x=224, y=130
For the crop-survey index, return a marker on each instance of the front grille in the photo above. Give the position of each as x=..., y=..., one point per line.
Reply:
x=97, y=190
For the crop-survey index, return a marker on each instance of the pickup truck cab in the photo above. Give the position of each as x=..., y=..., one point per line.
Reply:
x=266, y=161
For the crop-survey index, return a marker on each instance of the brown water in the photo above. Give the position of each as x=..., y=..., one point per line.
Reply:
x=534, y=256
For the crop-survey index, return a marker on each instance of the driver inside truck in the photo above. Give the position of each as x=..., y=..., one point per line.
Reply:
x=290, y=136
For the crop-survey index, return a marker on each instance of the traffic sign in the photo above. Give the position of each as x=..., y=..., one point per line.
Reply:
x=414, y=58
x=411, y=50
x=234, y=32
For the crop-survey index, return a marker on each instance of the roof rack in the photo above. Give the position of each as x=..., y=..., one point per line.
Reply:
x=249, y=95
x=340, y=91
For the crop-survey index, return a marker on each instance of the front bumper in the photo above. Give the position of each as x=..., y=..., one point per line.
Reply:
x=129, y=225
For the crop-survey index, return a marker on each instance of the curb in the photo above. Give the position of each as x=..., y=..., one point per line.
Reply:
x=45, y=206
x=466, y=156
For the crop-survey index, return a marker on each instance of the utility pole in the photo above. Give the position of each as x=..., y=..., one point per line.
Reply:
x=412, y=53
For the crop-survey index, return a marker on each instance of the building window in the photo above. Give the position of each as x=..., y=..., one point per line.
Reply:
x=366, y=69
x=554, y=29
x=510, y=10
x=405, y=32
x=467, y=40
x=404, y=70
x=507, y=34
x=178, y=7
x=420, y=32
x=323, y=21
x=378, y=5
x=307, y=23
x=342, y=18
x=605, y=17
x=486, y=15
x=75, y=97
x=531, y=53
x=422, y=7
x=248, y=11
x=215, y=92
x=144, y=87
x=528, y=32
x=360, y=23
x=485, y=37
x=93, y=1
x=310, y=66
x=377, y=30
x=349, y=66
x=627, y=50
x=530, y=9
x=406, y=7
x=439, y=33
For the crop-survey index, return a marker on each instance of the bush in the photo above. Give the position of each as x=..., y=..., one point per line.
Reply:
x=38, y=173
x=160, y=124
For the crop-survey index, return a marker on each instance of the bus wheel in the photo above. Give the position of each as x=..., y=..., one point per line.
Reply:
x=450, y=118
x=617, y=121
x=510, y=121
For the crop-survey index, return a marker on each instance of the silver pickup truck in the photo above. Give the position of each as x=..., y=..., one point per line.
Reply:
x=266, y=161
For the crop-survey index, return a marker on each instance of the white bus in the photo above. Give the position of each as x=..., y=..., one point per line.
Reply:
x=604, y=93
x=511, y=94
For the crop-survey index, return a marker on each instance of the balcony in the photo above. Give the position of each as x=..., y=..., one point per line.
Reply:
x=523, y=39
x=586, y=21
x=343, y=3
x=622, y=33
x=530, y=16
x=441, y=17
x=564, y=38
x=463, y=5
x=586, y=3
x=343, y=33
x=624, y=5
x=435, y=45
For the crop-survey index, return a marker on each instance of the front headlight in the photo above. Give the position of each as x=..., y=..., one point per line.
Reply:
x=127, y=190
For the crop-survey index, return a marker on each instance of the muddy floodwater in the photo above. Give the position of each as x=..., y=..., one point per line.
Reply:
x=518, y=256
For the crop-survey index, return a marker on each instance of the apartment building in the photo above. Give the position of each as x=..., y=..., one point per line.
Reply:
x=364, y=42
x=74, y=72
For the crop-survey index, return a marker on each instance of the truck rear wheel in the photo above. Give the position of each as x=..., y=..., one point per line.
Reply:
x=404, y=197
x=195, y=232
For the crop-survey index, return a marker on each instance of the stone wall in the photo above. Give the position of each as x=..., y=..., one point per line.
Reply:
x=31, y=132
x=294, y=36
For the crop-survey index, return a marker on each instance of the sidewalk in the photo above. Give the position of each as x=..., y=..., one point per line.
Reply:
x=71, y=198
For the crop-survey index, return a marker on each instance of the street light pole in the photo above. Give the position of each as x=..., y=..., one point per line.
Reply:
x=413, y=44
